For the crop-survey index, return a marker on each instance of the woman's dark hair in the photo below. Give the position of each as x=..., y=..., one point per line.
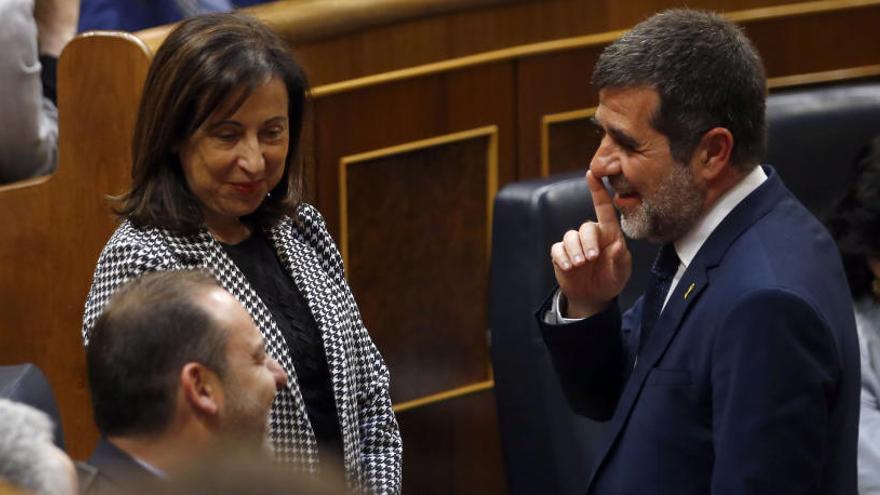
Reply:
x=202, y=65
x=855, y=221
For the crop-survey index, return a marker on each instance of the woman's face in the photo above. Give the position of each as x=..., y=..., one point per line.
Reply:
x=232, y=162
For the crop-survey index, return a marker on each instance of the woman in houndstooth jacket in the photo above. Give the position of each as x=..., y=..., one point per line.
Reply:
x=216, y=185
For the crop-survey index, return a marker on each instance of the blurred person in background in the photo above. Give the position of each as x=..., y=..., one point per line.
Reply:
x=32, y=35
x=29, y=460
x=855, y=225
x=134, y=15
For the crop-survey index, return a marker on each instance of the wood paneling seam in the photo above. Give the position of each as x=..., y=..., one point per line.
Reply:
x=546, y=47
x=444, y=396
x=490, y=132
x=556, y=118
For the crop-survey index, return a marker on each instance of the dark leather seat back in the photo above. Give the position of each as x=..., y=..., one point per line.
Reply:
x=25, y=383
x=814, y=135
x=547, y=447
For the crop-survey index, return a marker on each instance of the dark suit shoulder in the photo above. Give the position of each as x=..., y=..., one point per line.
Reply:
x=93, y=482
x=115, y=470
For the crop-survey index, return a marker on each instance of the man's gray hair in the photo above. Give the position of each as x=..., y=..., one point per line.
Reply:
x=28, y=459
x=707, y=73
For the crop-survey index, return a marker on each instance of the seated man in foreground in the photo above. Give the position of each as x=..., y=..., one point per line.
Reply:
x=737, y=371
x=176, y=367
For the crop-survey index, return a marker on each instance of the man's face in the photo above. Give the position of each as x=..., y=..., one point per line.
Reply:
x=659, y=199
x=252, y=377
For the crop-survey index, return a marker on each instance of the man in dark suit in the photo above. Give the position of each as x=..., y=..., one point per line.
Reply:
x=176, y=368
x=737, y=371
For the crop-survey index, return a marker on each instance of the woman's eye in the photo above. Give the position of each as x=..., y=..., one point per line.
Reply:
x=227, y=136
x=274, y=132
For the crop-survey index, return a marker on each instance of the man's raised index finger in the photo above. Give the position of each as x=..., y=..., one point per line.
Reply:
x=605, y=213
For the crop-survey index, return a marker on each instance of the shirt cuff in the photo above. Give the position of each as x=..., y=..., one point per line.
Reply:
x=554, y=315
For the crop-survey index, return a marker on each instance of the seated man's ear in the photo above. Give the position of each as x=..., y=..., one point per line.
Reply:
x=714, y=153
x=201, y=388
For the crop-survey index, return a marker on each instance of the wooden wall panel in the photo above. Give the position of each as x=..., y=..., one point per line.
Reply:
x=568, y=141
x=54, y=227
x=407, y=42
x=819, y=41
x=547, y=85
x=797, y=43
x=415, y=239
x=453, y=448
x=381, y=116
x=427, y=310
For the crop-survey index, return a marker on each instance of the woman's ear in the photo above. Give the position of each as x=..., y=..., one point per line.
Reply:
x=201, y=388
x=714, y=153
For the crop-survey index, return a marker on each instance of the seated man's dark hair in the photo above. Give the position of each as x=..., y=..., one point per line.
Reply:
x=149, y=330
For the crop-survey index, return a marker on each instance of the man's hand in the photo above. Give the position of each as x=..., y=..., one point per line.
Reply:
x=56, y=24
x=592, y=264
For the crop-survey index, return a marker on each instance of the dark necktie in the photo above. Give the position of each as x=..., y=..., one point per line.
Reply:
x=662, y=272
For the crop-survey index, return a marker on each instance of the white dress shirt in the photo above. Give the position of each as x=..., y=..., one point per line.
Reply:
x=688, y=245
x=149, y=467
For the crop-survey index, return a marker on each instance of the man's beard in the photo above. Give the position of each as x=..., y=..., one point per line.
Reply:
x=669, y=212
x=247, y=419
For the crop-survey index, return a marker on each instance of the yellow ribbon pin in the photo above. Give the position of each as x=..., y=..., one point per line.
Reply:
x=686, y=294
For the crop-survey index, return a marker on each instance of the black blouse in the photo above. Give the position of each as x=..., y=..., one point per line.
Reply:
x=257, y=260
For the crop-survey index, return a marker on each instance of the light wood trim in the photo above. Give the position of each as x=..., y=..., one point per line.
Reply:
x=796, y=9
x=301, y=21
x=119, y=34
x=24, y=183
x=444, y=396
x=824, y=76
x=782, y=82
x=503, y=55
x=555, y=118
x=490, y=132
x=546, y=47
x=152, y=38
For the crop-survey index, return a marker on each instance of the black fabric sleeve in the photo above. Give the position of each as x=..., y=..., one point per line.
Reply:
x=589, y=360
x=49, y=77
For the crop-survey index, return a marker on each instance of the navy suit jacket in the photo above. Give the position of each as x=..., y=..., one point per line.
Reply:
x=749, y=381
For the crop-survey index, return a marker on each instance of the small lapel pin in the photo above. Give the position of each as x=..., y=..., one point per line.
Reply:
x=691, y=288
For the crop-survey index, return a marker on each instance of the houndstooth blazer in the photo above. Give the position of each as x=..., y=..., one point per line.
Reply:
x=371, y=438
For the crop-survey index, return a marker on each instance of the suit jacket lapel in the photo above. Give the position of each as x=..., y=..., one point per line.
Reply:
x=686, y=293
x=119, y=467
x=302, y=263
